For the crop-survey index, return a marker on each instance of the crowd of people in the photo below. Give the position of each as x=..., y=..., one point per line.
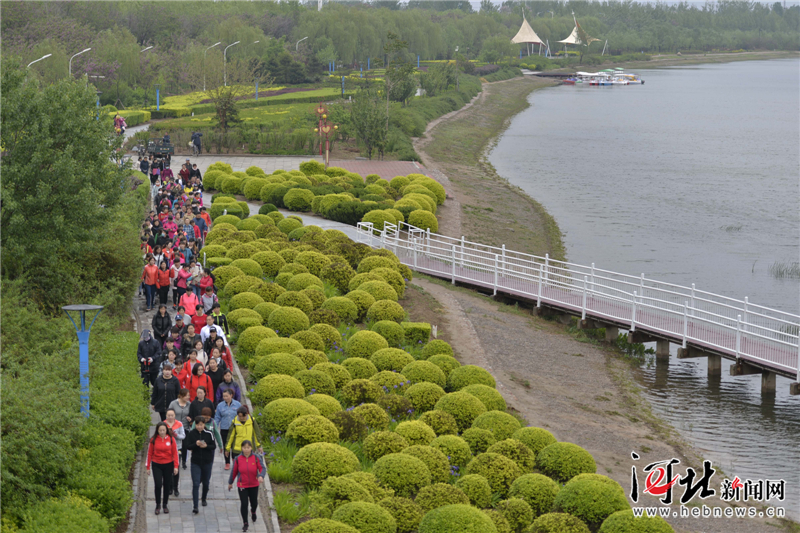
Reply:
x=185, y=357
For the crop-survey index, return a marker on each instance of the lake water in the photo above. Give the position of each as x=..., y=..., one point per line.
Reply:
x=693, y=177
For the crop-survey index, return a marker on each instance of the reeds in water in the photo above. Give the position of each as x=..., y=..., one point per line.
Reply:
x=785, y=270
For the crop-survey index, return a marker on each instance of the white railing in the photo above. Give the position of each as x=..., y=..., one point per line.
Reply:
x=739, y=328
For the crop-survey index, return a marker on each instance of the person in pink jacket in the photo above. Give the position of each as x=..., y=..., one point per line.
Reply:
x=181, y=283
x=250, y=471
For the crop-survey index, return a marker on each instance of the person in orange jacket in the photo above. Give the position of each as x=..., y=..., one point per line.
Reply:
x=162, y=455
x=199, y=379
x=150, y=279
x=163, y=282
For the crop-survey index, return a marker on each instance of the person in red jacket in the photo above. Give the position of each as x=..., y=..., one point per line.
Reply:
x=190, y=301
x=199, y=379
x=250, y=471
x=150, y=277
x=162, y=455
x=199, y=318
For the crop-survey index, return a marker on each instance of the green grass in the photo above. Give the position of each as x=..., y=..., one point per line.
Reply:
x=285, y=117
x=291, y=507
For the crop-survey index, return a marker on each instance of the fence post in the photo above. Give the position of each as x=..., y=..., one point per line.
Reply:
x=204, y=259
x=633, y=313
x=592, y=277
x=462, y=252
x=692, y=301
x=415, y=253
x=583, y=305
x=539, y=295
x=428, y=240
x=798, y=358
x=496, y=261
x=504, y=260
x=546, y=266
x=383, y=238
x=738, y=335
x=453, y=276
x=745, y=313
x=641, y=285
x=685, y=322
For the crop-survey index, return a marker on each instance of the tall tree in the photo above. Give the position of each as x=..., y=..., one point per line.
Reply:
x=367, y=118
x=399, y=79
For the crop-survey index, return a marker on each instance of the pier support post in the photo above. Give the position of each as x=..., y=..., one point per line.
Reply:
x=611, y=334
x=768, y=382
x=714, y=365
x=662, y=349
x=743, y=369
x=794, y=389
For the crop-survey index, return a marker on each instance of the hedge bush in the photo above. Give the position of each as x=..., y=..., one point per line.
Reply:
x=625, y=522
x=308, y=429
x=386, y=310
x=223, y=274
x=374, y=416
x=276, y=386
x=337, y=491
x=558, y=523
x=439, y=495
x=360, y=279
x=339, y=275
x=563, y=460
x=339, y=374
x=278, y=414
x=249, y=339
x=315, y=462
x=403, y=473
x=286, y=321
x=391, y=382
x=489, y=397
x=277, y=345
x=381, y=443
x=238, y=315
x=498, y=520
x=417, y=332
x=363, y=301
x=268, y=291
x=330, y=335
x=366, y=517
x=316, y=295
x=537, y=490
x=534, y=438
x=245, y=300
x=249, y=267
x=501, y=424
x=327, y=405
x=396, y=406
x=287, y=225
x=499, y=471
x=298, y=199
x=391, y=359
x=359, y=368
x=72, y=514
x=423, y=396
x=379, y=217
x=424, y=371
x=297, y=300
x=388, y=329
x=601, y=479
x=436, y=461
x=360, y=391
x=440, y=422
x=393, y=277
x=310, y=357
x=352, y=427
x=423, y=220
x=517, y=512
x=313, y=261
x=455, y=448
x=365, y=343
x=435, y=347
x=368, y=481
x=270, y=262
x=457, y=518
x=315, y=381
x=476, y=488
x=277, y=363
x=343, y=307
x=406, y=513
x=465, y=408
x=379, y=289
x=303, y=281
x=240, y=284
x=310, y=341
x=415, y=432
x=590, y=500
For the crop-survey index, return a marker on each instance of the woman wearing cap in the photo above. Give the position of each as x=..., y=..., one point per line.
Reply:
x=250, y=471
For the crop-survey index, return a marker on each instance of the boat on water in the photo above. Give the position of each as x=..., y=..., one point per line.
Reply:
x=604, y=78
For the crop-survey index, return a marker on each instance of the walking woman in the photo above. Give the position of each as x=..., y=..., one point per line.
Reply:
x=242, y=429
x=200, y=379
x=150, y=277
x=165, y=391
x=215, y=372
x=181, y=408
x=163, y=280
x=179, y=432
x=212, y=426
x=162, y=455
x=250, y=471
x=201, y=442
x=197, y=405
x=226, y=413
x=228, y=384
x=162, y=323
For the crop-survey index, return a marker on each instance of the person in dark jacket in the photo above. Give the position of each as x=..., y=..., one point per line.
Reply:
x=196, y=142
x=149, y=355
x=165, y=391
x=228, y=383
x=215, y=372
x=190, y=338
x=162, y=323
x=196, y=407
x=201, y=443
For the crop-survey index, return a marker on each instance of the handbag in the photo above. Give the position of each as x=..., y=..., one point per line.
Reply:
x=191, y=144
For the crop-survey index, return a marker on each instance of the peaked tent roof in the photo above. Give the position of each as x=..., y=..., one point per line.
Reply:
x=526, y=34
x=574, y=39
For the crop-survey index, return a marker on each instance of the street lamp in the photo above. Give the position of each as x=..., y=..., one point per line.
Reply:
x=73, y=57
x=204, y=63
x=43, y=57
x=326, y=128
x=321, y=112
x=146, y=49
x=297, y=44
x=225, y=62
x=83, y=347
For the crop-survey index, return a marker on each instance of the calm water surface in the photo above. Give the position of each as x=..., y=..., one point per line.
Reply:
x=693, y=177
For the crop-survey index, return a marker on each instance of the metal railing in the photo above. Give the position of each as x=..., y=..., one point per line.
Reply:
x=738, y=328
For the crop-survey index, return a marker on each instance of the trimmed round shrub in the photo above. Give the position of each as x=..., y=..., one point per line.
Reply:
x=214, y=262
x=366, y=517
x=396, y=406
x=309, y=340
x=440, y=494
x=380, y=290
x=315, y=381
x=298, y=199
x=423, y=396
x=363, y=301
x=283, y=278
x=276, y=386
x=455, y=448
x=339, y=373
x=381, y=443
x=386, y=310
x=248, y=266
x=352, y=427
x=308, y=429
x=465, y=408
x=241, y=284
x=368, y=481
x=325, y=317
x=625, y=522
x=498, y=520
x=388, y=329
x=440, y=422
x=241, y=251
x=537, y=490
x=360, y=391
x=375, y=261
x=479, y=440
x=466, y=375
x=265, y=309
x=601, y=479
x=214, y=250
x=436, y=461
x=435, y=347
x=499, y=470
x=286, y=321
x=403, y=473
x=379, y=217
x=391, y=359
x=287, y=225
x=390, y=382
x=534, y=438
x=236, y=316
x=359, y=367
x=270, y=262
x=245, y=300
x=502, y=425
x=417, y=332
x=250, y=224
x=392, y=277
x=268, y=291
x=365, y=343
x=337, y=491
x=517, y=512
x=406, y=513
x=416, y=432
x=275, y=215
x=316, y=295
x=590, y=500
x=315, y=462
x=344, y=307
x=563, y=460
x=277, y=345
x=223, y=274
x=278, y=363
x=457, y=518
x=558, y=523
x=329, y=334
x=313, y=261
x=424, y=371
x=278, y=414
x=249, y=339
x=303, y=281
x=423, y=220
x=327, y=405
x=476, y=488
x=248, y=322
x=338, y=275
x=360, y=279
x=489, y=397
x=297, y=300
x=374, y=416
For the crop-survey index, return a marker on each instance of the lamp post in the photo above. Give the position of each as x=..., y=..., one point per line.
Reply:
x=225, y=62
x=73, y=57
x=204, y=63
x=158, y=93
x=83, y=347
x=326, y=128
x=43, y=57
x=321, y=112
x=297, y=44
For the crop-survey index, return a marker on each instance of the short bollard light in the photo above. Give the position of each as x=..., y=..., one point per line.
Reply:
x=83, y=346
